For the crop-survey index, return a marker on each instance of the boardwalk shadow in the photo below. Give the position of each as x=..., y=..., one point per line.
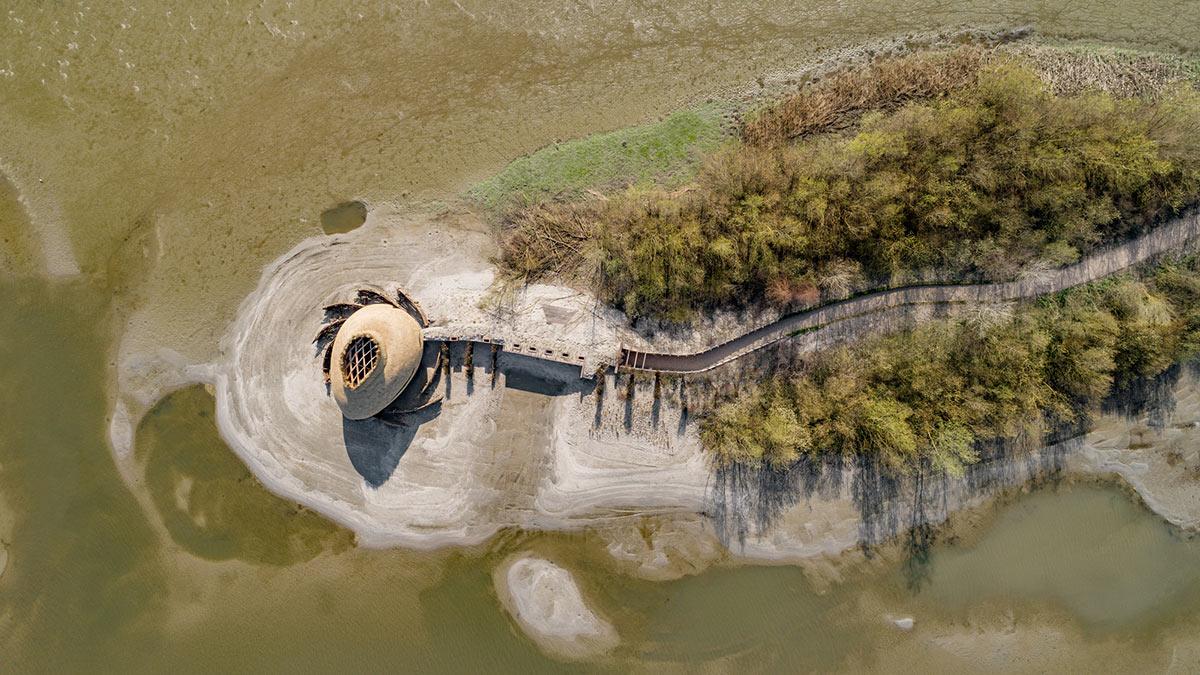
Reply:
x=630, y=391
x=548, y=378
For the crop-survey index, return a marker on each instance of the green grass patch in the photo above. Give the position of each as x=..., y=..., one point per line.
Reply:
x=665, y=152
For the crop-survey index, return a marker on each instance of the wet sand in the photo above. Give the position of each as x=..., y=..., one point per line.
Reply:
x=545, y=600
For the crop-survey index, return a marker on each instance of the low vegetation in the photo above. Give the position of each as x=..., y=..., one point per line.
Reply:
x=934, y=393
x=665, y=152
x=957, y=165
x=838, y=100
x=954, y=167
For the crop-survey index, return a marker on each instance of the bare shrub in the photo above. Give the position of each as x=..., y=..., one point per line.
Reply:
x=548, y=240
x=835, y=101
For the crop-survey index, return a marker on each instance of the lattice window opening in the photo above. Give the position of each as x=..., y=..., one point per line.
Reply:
x=359, y=360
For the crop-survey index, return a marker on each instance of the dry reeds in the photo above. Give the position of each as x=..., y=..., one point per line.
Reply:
x=368, y=297
x=548, y=240
x=836, y=101
x=328, y=332
x=1120, y=73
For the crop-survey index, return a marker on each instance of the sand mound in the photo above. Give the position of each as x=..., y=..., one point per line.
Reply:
x=546, y=602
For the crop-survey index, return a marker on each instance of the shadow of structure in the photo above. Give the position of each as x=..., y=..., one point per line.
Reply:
x=376, y=445
x=548, y=378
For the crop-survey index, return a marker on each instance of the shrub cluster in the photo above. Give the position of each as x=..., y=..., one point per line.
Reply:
x=997, y=175
x=931, y=393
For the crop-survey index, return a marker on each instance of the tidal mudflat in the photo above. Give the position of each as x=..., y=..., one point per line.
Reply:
x=157, y=159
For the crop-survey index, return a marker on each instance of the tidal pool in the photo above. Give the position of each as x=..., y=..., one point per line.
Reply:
x=344, y=217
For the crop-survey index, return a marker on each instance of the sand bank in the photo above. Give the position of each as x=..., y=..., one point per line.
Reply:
x=544, y=599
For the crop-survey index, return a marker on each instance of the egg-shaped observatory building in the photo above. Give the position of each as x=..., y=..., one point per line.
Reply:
x=375, y=355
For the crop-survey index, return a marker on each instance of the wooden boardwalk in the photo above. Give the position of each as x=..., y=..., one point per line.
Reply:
x=1173, y=237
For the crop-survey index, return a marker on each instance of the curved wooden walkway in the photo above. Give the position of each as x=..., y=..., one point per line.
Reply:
x=1164, y=239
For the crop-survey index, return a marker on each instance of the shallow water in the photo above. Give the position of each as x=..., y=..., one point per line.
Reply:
x=343, y=218
x=1084, y=558
x=16, y=249
x=216, y=573
x=1090, y=551
x=177, y=148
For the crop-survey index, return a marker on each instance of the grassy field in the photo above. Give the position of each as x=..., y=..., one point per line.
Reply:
x=666, y=152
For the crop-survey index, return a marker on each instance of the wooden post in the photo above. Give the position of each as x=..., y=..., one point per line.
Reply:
x=495, y=362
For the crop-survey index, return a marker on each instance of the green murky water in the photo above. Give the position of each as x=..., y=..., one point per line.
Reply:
x=344, y=217
x=1090, y=552
x=209, y=502
x=241, y=580
x=171, y=149
x=16, y=247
